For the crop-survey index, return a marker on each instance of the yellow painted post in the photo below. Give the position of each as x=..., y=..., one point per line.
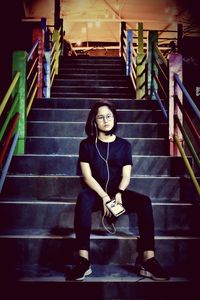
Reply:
x=56, y=39
x=140, y=63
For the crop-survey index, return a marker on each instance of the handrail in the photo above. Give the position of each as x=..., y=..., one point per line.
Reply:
x=33, y=50
x=164, y=60
x=177, y=131
x=161, y=105
x=19, y=98
x=5, y=101
x=9, y=92
x=7, y=164
x=190, y=170
x=188, y=120
x=188, y=97
x=51, y=64
x=187, y=140
x=7, y=141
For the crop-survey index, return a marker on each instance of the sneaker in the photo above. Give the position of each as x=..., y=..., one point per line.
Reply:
x=81, y=270
x=152, y=269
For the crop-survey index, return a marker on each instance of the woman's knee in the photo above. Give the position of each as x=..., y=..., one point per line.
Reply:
x=86, y=198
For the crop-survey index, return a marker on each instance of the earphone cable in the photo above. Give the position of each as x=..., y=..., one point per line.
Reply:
x=107, y=182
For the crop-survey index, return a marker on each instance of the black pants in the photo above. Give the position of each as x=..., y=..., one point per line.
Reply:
x=88, y=201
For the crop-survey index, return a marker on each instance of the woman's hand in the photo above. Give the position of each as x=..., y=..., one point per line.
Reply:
x=118, y=198
x=106, y=211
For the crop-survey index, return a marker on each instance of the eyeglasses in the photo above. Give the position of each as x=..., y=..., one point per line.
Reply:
x=107, y=117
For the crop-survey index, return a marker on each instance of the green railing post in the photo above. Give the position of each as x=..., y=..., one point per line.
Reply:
x=20, y=65
x=152, y=69
x=140, y=62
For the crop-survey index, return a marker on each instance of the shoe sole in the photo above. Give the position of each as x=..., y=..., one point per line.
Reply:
x=88, y=272
x=148, y=274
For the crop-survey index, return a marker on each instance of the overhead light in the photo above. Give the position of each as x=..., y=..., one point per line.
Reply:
x=97, y=23
x=90, y=25
x=78, y=43
x=83, y=29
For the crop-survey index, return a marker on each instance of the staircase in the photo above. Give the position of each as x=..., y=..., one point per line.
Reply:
x=38, y=199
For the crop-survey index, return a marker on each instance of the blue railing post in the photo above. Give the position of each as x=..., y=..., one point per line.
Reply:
x=47, y=75
x=129, y=51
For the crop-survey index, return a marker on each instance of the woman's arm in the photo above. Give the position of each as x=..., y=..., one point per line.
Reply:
x=126, y=176
x=94, y=185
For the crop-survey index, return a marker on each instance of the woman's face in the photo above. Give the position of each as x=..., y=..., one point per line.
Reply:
x=104, y=119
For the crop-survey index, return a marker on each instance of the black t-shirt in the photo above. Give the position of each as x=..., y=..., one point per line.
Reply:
x=119, y=154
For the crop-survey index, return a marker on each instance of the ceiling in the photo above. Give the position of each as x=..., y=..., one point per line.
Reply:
x=99, y=20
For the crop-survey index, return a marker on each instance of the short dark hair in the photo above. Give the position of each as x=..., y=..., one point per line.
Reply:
x=90, y=127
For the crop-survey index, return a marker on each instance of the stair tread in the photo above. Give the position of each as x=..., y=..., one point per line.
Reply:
x=74, y=176
x=100, y=273
x=68, y=233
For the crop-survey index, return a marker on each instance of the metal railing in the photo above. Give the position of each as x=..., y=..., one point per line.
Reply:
x=9, y=118
x=51, y=62
x=192, y=108
x=176, y=104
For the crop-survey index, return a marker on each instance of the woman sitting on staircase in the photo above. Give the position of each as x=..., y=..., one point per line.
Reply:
x=106, y=162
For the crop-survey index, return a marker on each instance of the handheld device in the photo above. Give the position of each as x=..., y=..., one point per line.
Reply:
x=115, y=208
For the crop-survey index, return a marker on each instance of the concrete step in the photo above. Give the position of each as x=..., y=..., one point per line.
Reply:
x=95, y=89
x=47, y=114
x=85, y=103
x=68, y=165
x=81, y=70
x=90, y=82
x=58, y=216
x=98, y=61
x=70, y=145
x=91, y=65
x=46, y=187
x=96, y=95
x=72, y=129
x=105, y=282
x=105, y=77
x=32, y=247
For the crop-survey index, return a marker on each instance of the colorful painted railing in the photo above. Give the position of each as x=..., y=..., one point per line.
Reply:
x=186, y=111
x=9, y=119
x=134, y=58
x=165, y=82
x=51, y=62
x=27, y=85
x=163, y=77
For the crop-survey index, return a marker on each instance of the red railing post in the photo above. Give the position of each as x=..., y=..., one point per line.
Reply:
x=38, y=34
